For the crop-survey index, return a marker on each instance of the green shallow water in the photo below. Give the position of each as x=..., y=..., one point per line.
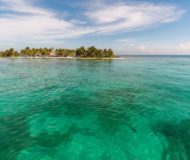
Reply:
x=132, y=109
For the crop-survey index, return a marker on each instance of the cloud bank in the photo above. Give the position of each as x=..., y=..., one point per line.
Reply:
x=21, y=20
x=185, y=46
x=131, y=17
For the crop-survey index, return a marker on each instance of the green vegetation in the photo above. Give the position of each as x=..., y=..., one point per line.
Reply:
x=81, y=52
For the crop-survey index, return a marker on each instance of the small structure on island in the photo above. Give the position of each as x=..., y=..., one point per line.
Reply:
x=52, y=54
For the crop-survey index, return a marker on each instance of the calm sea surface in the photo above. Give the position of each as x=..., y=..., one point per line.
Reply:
x=132, y=109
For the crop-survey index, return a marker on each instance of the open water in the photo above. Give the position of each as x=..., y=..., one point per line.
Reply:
x=136, y=108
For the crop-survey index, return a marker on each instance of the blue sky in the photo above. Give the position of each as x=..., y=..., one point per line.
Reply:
x=126, y=26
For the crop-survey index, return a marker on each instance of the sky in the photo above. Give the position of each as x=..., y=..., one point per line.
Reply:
x=129, y=27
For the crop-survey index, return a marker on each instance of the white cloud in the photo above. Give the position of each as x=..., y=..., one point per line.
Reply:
x=141, y=48
x=134, y=45
x=33, y=23
x=25, y=22
x=185, y=46
x=127, y=42
x=137, y=16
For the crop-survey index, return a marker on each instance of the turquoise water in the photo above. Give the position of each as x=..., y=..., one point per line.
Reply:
x=132, y=109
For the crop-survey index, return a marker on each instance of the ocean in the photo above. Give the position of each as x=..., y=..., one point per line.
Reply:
x=137, y=108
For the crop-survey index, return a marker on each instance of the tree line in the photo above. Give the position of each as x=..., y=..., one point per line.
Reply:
x=61, y=52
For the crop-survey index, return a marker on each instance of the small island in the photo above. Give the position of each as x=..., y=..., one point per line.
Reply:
x=82, y=52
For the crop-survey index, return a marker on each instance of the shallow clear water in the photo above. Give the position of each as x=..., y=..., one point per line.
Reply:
x=132, y=109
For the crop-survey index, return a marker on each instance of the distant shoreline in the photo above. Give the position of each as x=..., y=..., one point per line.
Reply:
x=82, y=52
x=72, y=58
